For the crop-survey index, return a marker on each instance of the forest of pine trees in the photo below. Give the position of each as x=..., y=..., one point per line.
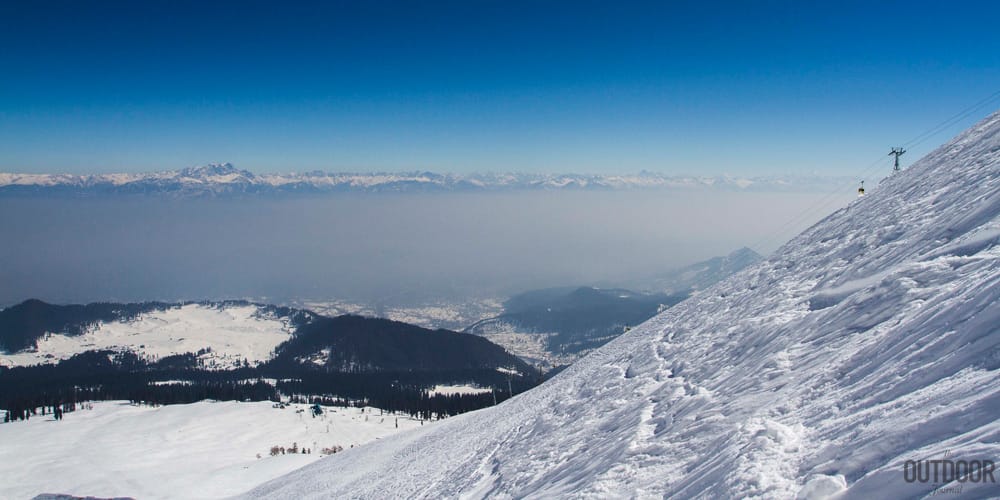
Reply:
x=369, y=362
x=26, y=392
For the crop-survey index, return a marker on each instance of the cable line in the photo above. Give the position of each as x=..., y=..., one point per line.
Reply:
x=867, y=170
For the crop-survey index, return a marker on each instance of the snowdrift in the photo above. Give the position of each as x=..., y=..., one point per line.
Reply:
x=870, y=340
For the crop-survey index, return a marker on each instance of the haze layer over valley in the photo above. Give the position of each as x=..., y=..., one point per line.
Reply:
x=375, y=248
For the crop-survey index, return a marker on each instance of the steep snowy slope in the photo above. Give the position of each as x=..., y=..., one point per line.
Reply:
x=871, y=339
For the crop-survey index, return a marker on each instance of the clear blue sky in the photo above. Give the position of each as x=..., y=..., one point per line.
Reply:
x=697, y=87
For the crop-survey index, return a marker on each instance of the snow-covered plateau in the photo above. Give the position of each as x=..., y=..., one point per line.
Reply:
x=869, y=342
x=201, y=450
x=231, y=334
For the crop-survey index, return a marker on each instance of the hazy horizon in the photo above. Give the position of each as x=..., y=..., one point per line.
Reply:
x=387, y=248
x=672, y=173
x=680, y=89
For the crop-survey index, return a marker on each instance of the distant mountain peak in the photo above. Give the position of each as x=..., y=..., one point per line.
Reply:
x=744, y=252
x=703, y=274
x=215, y=170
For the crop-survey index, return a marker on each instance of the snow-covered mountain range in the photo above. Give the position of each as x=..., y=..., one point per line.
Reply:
x=226, y=179
x=864, y=345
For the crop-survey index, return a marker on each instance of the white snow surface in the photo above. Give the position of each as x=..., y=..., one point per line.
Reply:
x=452, y=390
x=200, y=450
x=870, y=339
x=234, y=334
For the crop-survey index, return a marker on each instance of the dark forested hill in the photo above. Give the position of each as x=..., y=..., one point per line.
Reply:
x=347, y=359
x=358, y=344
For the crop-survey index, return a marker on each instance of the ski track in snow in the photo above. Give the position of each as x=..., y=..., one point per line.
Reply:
x=870, y=339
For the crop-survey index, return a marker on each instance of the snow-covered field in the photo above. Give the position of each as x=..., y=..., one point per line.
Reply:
x=200, y=450
x=234, y=333
x=451, y=390
x=870, y=340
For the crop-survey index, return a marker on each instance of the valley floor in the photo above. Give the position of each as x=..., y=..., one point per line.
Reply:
x=200, y=450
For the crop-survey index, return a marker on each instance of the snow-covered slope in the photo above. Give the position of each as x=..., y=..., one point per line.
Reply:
x=231, y=333
x=201, y=450
x=871, y=339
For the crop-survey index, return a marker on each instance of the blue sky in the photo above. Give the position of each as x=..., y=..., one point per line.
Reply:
x=701, y=87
